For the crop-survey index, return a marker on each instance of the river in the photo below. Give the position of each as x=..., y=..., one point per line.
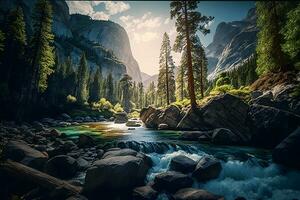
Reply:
x=246, y=172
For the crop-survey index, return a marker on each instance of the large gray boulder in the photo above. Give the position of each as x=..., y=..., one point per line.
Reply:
x=195, y=194
x=172, y=181
x=116, y=173
x=207, y=168
x=121, y=117
x=182, y=164
x=152, y=117
x=271, y=125
x=20, y=151
x=288, y=151
x=223, y=111
x=61, y=166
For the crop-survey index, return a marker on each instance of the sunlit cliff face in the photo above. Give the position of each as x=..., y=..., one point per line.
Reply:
x=147, y=21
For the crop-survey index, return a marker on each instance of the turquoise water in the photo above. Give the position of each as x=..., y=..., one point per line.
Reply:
x=247, y=172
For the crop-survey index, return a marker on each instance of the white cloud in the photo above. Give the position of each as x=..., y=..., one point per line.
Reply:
x=145, y=36
x=88, y=8
x=116, y=7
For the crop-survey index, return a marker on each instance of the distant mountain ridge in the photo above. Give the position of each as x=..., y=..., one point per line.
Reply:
x=232, y=44
x=105, y=43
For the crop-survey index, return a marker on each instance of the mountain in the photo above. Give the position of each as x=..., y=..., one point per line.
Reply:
x=153, y=78
x=105, y=43
x=145, y=76
x=232, y=44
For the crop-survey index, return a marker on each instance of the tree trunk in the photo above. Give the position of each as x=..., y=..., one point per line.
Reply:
x=167, y=77
x=201, y=78
x=191, y=86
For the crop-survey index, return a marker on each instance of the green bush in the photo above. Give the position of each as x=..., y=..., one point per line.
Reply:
x=71, y=99
x=221, y=89
x=102, y=104
x=223, y=81
x=181, y=104
x=134, y=114
x=118, y=108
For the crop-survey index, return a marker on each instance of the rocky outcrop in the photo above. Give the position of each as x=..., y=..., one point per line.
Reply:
x=121, y=117
x=106, y=42
x=207, y=168
x=271, y=125
x=223, y=111
x=118, y=171
x=224, y=136
x=288, y=151
x=195, y=194
x=20, y=151
x=152, y=117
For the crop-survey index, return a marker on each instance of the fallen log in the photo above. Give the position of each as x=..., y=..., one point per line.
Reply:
x=22, y=172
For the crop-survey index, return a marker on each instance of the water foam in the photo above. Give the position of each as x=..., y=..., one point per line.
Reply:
x=240, y=178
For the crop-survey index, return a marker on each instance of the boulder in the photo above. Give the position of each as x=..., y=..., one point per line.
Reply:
x=223, y=111
x=152, y=117
x=144, y=193
x=82, y=163
x=194, y=135
x=163, y=127
x=271, y=125
x=119, y=152
x=86, y=141
x=21, y=152
x=256, y=93
x=224, y=136
x=77, y=197
x=116, y=174
x=288, y=151
x=146, y=112
x=195, y=194
x=55, y=133
x=182, y=164
x=207, y=168
x=61, y=166
x=121, y=117
x=133, y=123
x=170, y=116
x=172, y=181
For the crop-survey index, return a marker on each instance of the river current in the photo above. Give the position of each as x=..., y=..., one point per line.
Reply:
x=246, y=172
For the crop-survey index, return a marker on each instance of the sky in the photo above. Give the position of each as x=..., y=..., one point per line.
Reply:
x=146, y=22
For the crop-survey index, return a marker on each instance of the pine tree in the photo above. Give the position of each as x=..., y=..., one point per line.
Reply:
x=166, y=80
x=188, y=22
x=291, y=34
x=41, y=49
x=82, y=80
x=110, y=88
x=151, y=93
x=126, y=84
x=140, y=101
x=70, y=80
x=181, y=78
x=270, y=55
x=14, y=65
x=95, y=87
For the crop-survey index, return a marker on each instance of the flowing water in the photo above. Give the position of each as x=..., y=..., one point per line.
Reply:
x=246, y=172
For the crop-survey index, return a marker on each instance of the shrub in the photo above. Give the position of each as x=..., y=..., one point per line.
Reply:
x=118, y=108
x=221, y=89
x=181, y=104
x=223, y=81
x=134, y=114
x=71, y=99
x=102, y=104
